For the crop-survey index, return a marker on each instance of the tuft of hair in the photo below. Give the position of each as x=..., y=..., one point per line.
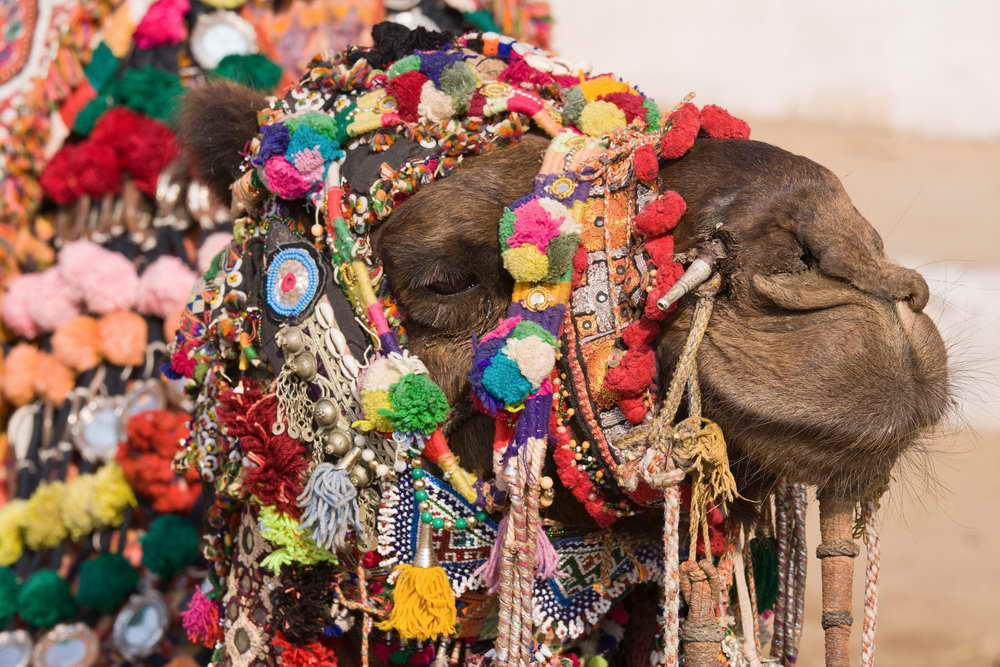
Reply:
x=216, y=122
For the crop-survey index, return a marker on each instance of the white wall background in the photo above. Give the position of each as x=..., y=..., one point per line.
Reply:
x=930, y=66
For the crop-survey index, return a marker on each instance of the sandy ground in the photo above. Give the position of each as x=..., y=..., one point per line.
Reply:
x=933, y=201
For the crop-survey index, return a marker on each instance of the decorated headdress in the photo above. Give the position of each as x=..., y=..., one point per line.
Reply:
x=336, y=442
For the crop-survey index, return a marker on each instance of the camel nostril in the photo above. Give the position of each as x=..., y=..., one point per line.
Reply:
x=919, y=293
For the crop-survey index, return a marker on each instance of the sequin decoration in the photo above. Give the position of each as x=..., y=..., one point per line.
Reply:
x=293, y=279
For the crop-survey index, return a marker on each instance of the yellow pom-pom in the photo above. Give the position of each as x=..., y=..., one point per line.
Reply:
x=43, y=526
x=423, y=604
x=600, y=118
x=373, y=402
x=526, y=264
x=603, y=85
x=112, y=495
x=11, y=524
x=76, y=511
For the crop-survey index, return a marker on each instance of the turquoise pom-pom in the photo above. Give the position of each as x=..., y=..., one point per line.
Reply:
x=503, y=379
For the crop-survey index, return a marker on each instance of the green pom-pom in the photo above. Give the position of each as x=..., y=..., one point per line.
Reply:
x=250, y=69
x=527, y=328
x=105, y=582
x=45, y=600
x=403, y=65
x=8, y=595
x=653, y=116
x=150, y=91
x=507, y=221
x=458, y=81
x=573, y=103
x=764, y=553
x=319, y=122
x=169, y=546
x=417, y=404
x=561, y=251
x=102, y=67
x=87, y=118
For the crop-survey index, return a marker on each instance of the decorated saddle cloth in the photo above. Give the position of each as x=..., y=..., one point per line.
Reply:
x=312, y=412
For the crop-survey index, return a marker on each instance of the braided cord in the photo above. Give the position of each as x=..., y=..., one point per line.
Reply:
x=869, y=510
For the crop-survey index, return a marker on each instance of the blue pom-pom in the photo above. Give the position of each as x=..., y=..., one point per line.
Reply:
x=503, y=379
x=306, y=137
x=273, y=141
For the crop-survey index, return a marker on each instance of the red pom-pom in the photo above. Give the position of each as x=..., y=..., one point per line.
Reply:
x=684, y=124
x=633, y=408
x=646, y=164
x=627, y=102
x=101, y=172
x=476, y=104
x=405, y=88
x=661, y=251
x=652, y=311
x=633, y=374
x=661, y=215
x=563, y=456
x=521, y=72
x=61, y=178
x=720, y=124
x=579, y=265
x=640, y=333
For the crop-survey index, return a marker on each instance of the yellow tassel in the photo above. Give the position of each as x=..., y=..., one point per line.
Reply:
x=423, y=604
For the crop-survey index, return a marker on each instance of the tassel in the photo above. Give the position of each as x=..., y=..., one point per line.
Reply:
x=423, y=603
x=489, y=571
x=546, y=558
x=330, y=506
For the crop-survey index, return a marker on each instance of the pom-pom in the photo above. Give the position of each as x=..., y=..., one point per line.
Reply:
x=375, y=405
x=9, y=588
x=77, y=343
x=526, y=263
x=43, y=528
x=417, y=404
x=634, y=408
x=162, y=24
x=11, y=535
x=165, y=286
x=60, y=179
x=503, y=380
x=210, y=247
x=201, y=620
x=52, y=301
x=534, y=358
x=150, y=91
x=100, y=172
x=105, y=581
x=681, y=133
x=111, y=495
x=629, y=103
x=459, y=81
x=284, y=180
x=20, y=372
x=640, y=333
x=75, y=512
x=646, y=164
x=661, y=251
x=406, y=89
x=106, y=279
x=633, y=374
x=45, y=600
x=660, y=215
x=254, y=70
x=146, y=456
x=17, y=305
x=720, y=124
x=435, y=105
x=123, y=338
x=600, y=118
x=54, y=379
x=169, y=546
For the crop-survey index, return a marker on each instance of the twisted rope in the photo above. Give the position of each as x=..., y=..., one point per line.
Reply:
x=799, y=500
x=752, y=586
x=869, y=509
x=781, y=521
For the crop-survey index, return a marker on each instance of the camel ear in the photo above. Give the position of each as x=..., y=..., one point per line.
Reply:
x=216, y=122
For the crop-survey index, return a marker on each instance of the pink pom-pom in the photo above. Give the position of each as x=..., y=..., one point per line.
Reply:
x=165, y=286
x=211, y=247
x=53, y=301
x=162, y=24
x=16, y=305
x=284, y=180
x=106, y=280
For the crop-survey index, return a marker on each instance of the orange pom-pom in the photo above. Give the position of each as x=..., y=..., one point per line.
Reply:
x=123, y=338
x=18, y=379
x=77, y=343
x=53, y=379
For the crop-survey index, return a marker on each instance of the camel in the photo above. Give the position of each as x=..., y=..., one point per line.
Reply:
x=818, y=362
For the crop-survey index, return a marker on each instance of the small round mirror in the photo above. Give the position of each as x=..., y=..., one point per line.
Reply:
x=15, y=648
x=139, y=626
x=67, y=645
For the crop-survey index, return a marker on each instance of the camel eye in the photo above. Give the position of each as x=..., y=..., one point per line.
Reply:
x=454, y=284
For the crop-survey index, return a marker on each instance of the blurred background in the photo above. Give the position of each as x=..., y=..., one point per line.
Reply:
x=902, y=101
